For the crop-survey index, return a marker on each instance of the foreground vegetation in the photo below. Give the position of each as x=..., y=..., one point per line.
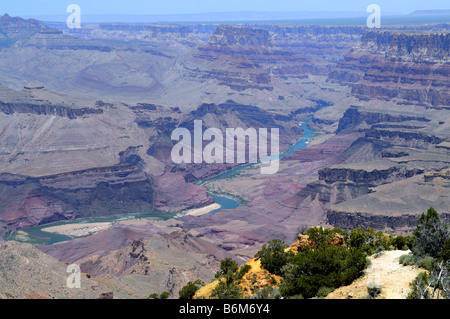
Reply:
x=430, y=250
x=331, y=258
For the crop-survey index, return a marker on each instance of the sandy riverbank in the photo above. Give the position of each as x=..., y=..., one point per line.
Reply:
x=200, y=211
x=78, y=230
x=84, y=229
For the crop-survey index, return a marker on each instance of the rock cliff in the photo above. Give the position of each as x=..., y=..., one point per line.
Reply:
x=46, y=109
x=407, y=66
x=228, y=35
x=32, y=201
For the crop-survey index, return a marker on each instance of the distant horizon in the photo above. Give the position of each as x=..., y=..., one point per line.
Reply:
x=182, y=7
x=236, y=16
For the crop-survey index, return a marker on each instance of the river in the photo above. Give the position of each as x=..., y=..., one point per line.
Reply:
x=36, y=235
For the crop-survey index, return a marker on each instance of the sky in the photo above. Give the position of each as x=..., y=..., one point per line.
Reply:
x=156, y=7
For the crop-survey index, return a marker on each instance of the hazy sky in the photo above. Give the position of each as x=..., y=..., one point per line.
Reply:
x=151, y=7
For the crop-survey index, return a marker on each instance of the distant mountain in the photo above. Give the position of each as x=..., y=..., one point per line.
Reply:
x=207, y=17
x=431, y=13
x=13, y=29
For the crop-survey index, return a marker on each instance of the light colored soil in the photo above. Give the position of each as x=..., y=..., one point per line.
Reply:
x=200, y=211
x=78, y=230
x=385, y=270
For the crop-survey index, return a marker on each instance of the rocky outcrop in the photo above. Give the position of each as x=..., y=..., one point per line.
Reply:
x=325, y=194
x=351, y=220
x=437, y=97
x=407, y=66
x=303, y=242
x=408, y=46
x=431, y=176
x=248, y=57
x=161, y=31
x=31, y=201
x=46, y=109
x=13, y=29
x=228, y=35
x=369, y=177
x=146, y=257
x=131, y=259
x=28, y=273
x=407, y=137
x=355, y=116
x=237, y=81
x=315, y=40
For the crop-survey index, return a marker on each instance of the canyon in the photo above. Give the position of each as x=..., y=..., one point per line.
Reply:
x=86, y=117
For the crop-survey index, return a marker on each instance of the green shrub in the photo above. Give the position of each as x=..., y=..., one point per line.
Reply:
x=326, y=266
x=369, y=240
x=360, y=238
x=380, y=239
x=407, y=260
x=420, y=287
x=266, y=292
x=426, y=262
x=321, y=235
x=228, y=268
x=226, y=290
x=378, y=251
x=445, y=252
x=324, y=291
x=400, y=242
x=273, y=256
x=373, y=289
x=163, y=295
x=430, y=235
x=242, y=271
x=189, y=290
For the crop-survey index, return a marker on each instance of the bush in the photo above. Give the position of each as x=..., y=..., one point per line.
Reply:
x=267, y=292
x=360, y=238
x=400, y=242
x=273, y=256
x=228, y=268
x=432, y=284
x=242, y=271
x=321, y=235
x=324, y=291
x=369, y=240
x=326, y=266
x=226, y=290
x=378, y=251
x=163, y=295
x=445, y=252
x=420, y=287
x=407, y=260
x=189, y=290
x=426, y=263
x=430, y=235
x=373, y=289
